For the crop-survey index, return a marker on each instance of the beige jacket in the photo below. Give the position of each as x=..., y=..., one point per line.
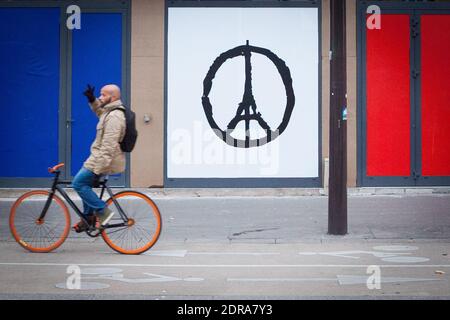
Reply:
x=106, y=156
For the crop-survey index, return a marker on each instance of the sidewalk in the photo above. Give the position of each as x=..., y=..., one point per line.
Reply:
x=287, y=215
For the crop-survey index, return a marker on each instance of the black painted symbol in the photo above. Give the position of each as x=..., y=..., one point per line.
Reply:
x=247, y=109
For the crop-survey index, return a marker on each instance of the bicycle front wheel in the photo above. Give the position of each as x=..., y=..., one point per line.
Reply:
x=143, y=228
x=32, y=233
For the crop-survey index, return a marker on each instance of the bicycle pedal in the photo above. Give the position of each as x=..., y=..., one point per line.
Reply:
x=77, y=229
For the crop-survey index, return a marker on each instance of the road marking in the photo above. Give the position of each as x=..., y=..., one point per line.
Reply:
x=97, y=271
x=166, y=253
x=396, y=248
x=341, y=279
x=351, y=254
x=348, y=280
x=151, y=277
x=84, y=286
x=280, y=279
x=183, y=253
x=8, y=199
x=235, y=253
x=406, y=259
x=222, y=265
x=384, y=256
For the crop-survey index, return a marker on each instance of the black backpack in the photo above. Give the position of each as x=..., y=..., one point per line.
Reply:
x=131, y=134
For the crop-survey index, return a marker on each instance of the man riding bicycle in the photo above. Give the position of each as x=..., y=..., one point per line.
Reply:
x=106, y=155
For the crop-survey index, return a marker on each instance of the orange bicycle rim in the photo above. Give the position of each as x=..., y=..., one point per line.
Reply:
x=18, y=237
x=157, y=231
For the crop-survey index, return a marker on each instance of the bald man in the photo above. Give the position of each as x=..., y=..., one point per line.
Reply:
x=106, y=155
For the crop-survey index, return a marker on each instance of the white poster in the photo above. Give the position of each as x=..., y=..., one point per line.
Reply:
x=242, y=93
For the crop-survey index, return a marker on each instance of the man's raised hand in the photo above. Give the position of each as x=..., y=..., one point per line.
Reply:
x=89, y=93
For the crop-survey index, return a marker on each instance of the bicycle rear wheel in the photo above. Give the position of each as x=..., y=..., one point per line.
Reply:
x=39, y=235
x=144, y=226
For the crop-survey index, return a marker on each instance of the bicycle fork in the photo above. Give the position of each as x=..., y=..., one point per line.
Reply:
x=40, y=220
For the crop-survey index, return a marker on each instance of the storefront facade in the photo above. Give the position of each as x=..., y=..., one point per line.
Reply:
x=227, y=93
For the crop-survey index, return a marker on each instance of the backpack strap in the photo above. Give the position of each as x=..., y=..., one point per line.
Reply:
x=104, y=119
x=118, y=108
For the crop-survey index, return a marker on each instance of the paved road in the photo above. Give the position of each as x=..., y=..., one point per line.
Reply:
x=206, y=271
x=252, y=248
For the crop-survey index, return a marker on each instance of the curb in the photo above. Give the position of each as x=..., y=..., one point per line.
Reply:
x=7, y=193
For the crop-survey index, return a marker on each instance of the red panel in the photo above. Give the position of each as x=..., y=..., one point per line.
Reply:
x=435, y=74
x=388, y=97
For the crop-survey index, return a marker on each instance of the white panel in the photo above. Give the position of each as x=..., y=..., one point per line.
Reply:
x=196, y=37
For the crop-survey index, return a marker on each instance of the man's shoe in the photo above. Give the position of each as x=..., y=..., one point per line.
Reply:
x=105, y=216
x=82, y=226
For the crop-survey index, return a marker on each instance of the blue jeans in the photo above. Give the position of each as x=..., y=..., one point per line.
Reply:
x=82, y=183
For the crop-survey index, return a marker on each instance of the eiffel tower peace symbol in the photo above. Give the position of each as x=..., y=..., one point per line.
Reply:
x=247, y=108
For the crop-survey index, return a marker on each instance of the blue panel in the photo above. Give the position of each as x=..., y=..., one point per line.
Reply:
x=29, y=91
x=97, y=59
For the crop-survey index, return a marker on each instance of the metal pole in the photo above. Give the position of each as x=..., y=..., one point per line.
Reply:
x=337, y=198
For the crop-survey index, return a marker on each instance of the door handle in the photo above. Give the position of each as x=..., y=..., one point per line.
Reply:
x=69, y=122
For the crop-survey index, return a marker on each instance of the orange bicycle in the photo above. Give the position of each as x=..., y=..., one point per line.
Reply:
x=40, y=220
